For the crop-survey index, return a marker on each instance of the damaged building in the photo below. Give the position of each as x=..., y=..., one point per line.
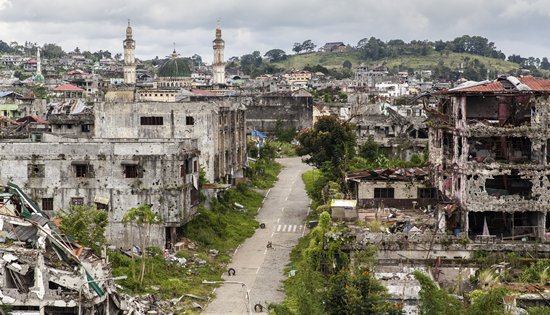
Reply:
x=42, y=271
x=489, y=148
x=399, y=130
x=74, y=164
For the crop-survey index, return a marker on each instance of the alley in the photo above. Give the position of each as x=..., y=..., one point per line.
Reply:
x=260, y=268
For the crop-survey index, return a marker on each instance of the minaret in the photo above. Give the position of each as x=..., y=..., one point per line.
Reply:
x=129, y=57
x=218, y=65
x=38, y=62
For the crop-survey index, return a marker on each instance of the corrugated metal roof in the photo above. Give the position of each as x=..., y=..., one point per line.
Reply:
x=401, y=173
x=540, y=85
x=527, y=83
x=68, y=88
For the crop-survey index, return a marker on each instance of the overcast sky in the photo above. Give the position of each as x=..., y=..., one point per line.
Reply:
x=515, y=26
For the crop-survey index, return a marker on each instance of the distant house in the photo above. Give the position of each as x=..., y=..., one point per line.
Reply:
x=334, y=47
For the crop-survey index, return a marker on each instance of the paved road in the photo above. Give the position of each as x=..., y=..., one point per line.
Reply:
x=262, y=269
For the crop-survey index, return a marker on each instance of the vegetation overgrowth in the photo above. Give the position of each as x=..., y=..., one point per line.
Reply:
x=225, y=223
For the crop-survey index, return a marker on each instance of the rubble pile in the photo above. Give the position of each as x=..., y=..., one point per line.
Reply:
x=43, y=269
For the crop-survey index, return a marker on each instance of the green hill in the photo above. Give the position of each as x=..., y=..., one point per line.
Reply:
x=409, y=63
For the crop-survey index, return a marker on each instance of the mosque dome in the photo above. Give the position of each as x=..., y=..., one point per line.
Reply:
x=175, y=67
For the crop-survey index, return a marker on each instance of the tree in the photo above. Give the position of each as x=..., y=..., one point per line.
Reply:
x=251, y=62
x=197, y=60
x=144, y=217
x=544, y=64
x=276, y=55
x=433, y=300
x=52, y=51
x=308, y=45
x=86, y=224
x=331, y=142
x=347, y=64
x=297, y=48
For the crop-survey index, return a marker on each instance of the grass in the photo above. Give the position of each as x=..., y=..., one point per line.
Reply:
x=223, y=227
x=263, y=173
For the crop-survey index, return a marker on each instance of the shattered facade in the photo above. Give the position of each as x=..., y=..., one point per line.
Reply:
x=398, y=129
x=113, y=174
x=489, y=145
x=218, y=127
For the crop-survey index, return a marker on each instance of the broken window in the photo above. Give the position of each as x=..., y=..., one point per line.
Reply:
x=195, y=166
x=47, y=204
x=85, y=128
x=384, y=192
x=500, y=111
x=131, y=171
x=189, y=120
x=35, y=170
x=82, y=170
x=182, y=170
x=427, y=193
x=506, y=149
x=77, y=201
x=36, y=137
x=194, y=196
x=504, y=185
x=152, y=121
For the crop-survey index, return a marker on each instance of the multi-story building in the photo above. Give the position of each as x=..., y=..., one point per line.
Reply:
x=489, y=148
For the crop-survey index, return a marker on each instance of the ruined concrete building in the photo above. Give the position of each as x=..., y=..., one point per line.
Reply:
x=399, y=130
x=489, y=148
x=42, y=271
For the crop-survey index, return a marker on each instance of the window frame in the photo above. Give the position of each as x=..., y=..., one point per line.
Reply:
x=384, y=193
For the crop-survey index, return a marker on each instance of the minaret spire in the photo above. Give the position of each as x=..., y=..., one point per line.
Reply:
x=129, y=57
x=218, y=65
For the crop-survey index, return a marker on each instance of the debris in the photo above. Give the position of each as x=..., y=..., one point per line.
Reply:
x=196, y=305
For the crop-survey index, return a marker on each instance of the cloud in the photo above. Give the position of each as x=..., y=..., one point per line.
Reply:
x=250, y=25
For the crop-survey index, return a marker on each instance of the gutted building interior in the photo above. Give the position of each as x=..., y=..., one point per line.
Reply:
x=489, y=152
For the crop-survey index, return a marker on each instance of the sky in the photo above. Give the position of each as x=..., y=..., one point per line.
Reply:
x=515, y=26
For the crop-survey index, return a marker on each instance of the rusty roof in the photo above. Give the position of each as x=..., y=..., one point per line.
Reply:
x=388, y=173
x=505, y=84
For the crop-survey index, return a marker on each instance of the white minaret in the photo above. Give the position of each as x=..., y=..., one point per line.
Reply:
x=218, y=65
x=38, y=62
x=129, y=57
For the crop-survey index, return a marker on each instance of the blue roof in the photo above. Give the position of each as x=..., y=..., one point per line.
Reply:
x=6, y=93
x=257, y=134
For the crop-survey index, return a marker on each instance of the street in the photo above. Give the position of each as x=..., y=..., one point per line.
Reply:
x=259, y=268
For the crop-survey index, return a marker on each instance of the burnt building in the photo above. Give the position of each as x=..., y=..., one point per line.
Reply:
x=489, y=145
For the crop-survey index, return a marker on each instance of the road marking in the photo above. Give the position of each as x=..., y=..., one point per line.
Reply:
x=257, y=270
x=283, y=209
x=267, y=193
x=279, y=219
x=287, y=228
x=236, y=249
x=303, y=230
x=272, y=233
x=265, y=251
